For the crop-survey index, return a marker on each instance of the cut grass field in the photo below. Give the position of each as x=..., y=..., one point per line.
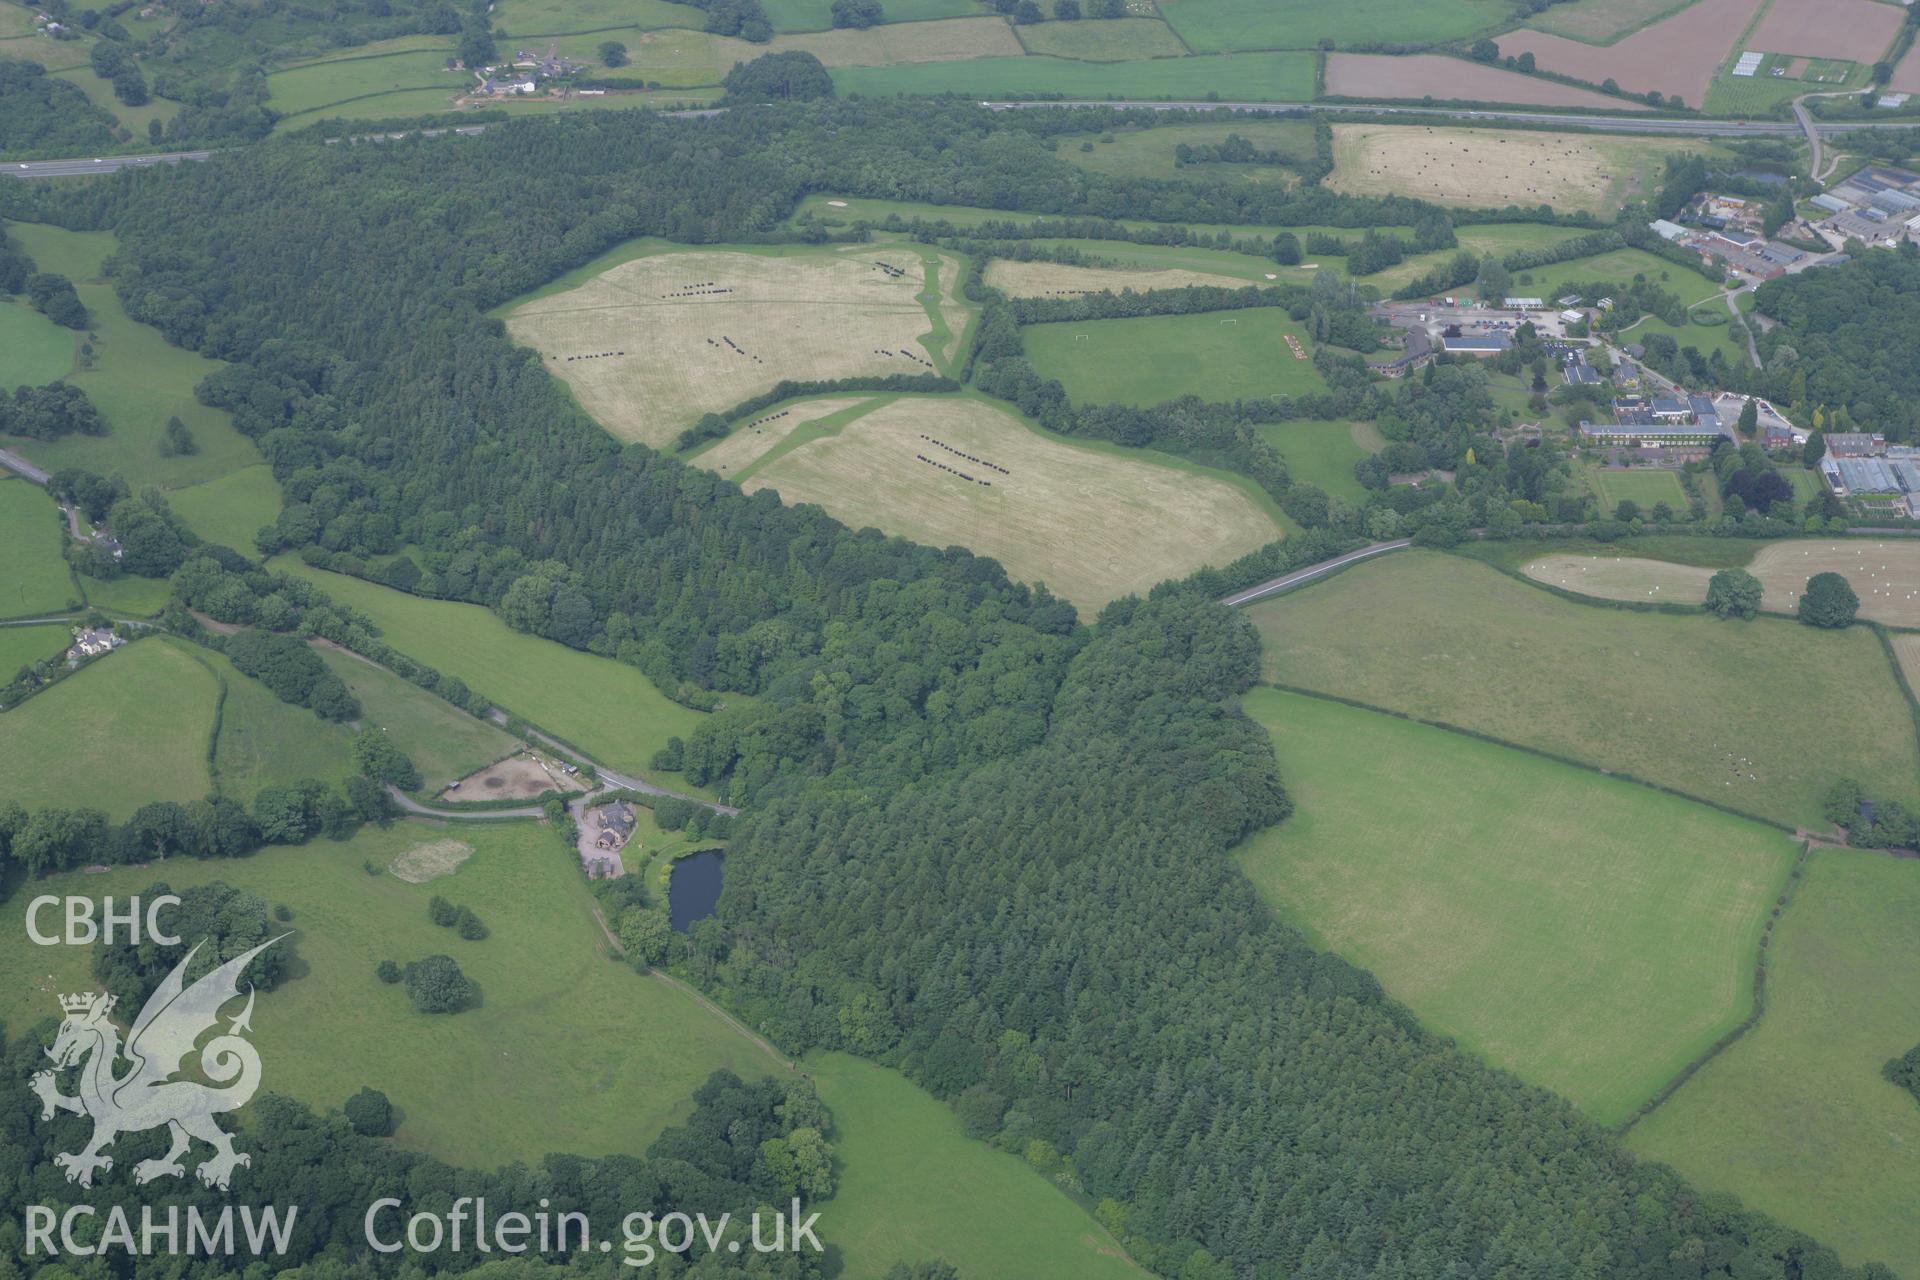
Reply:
x=651, y=343
x=34, y=578
x=1093, y=523
x=1109, y=40
x=1215, y=25
x=1493, y=167
x=1885, y=575
x=606, y=708
x=1321, y=454
x=33, y=349
x=444, y=742
x=24, y=646
x=913, y=1187
x=1643, y=485
x=1760, y=717
x=127, y=729
x=1149, y=153
x=137, y=380
x=1269, y=77
x=568, y=1050
x=1225, y=355
x=1603, y=21
x=230, y=510
x=1795, y=1118
x=1588, y=934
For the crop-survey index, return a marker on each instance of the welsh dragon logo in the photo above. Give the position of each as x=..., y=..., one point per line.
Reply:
x=146, y=1095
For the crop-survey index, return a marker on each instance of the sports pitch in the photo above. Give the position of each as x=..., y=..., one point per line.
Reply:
x=1092, y=523
x=1643, y=485
x=654, y=342
x=1585, y=933
x=1149, y=360
x=1760, y=718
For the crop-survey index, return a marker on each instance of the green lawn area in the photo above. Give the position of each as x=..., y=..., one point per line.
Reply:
x=1149, y=153
x=1759, y=716
x=1320, y=453
x=1707, y=338
x=232, y=509
x=444, y=742
x=33, y=349
x=127, y=596
x=34, y=578
x=1108, y=40
x=1643, y=485
x=1620, y=267
x=1588, y=934
x=314, y=85
x=817, y=15
x=1215, y=25
x=23, y=646
x=557, y=17
x=606, y=708
x=1795, y=1118
x=1249, y=76
x=568, y=1051
x=913, y=1188
x=265, y=742
x=130, y=728
x=137, y=380
x=1223, y=355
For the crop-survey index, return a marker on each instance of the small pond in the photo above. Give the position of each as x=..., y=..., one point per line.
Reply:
x=693, y=891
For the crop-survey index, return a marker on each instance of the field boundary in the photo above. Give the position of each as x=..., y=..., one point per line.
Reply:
x=1617, y=37
x=1885, y=635
x=1541, y=752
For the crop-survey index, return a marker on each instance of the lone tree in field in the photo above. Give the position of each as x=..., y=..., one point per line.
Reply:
x=436, y=985
x=1828, y=602
x=1733, y=593
x=613, y=53
x=370, y=1114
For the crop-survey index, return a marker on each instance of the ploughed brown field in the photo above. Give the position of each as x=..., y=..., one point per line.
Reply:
x=1906, y=76
x=1857, y=30
x=1433, y=75
x=1677, y=55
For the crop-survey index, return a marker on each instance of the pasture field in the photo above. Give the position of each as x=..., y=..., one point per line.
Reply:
x=650, y=344
x=1484, y=239
x=130, y=728
x=1092, y=523
x=1108, y=40
x=567, y=1051
x=1449, y=79
x=889, y=44
x=314, y=85
x=54, y=55
x=1052, y=279
x=444, y=742
x=1795, y=1118
x=33, y=349
x=606, y=708
x=913, y=1187
x=265, y=742
x=1675, y=55
x=1149, y=360
x=673, y=57
x=24, y=646
x=232, y=509
x=1149, y=153
x=35, y=579
x=1585, y=933
x=1270, y=77
x=1321, y=453
x=1491, y=167
x=525, y=19
x=382, y=106
x=1644, y=485
x=1244, y=268
x=133, y=119
x=1603, y=21
x=1672, y=699
x=1215, y=26
x=127, y=595
x=817, y=15
x=137, y=381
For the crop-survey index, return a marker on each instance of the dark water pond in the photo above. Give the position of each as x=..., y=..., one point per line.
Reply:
x=693, y=891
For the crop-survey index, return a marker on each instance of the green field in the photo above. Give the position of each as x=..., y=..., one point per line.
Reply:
x=137, y=380
x=1148, y=360
x=1149, y=153
x=914, y=1188
x=1644, y=485
x=265, y=742
x=817, y=15
x=1795, y=1118
x=568, y=1051
x=1108, y=40
x=1603, y=21
x=1212, y=26
x=23, y=646
x=1284, y=77
x=444, y=742
x=33, y=349
x=1585, y=933
x=127, y=596
x=315, y=85
x=606, y=708
x=1320, y=453
x=34, y=578
x=526, y=18
x=1761, y=717
x=130, y=728
x=1619, y=267
x=232, y=509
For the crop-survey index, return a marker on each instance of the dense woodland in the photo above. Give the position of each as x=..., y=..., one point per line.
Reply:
x=985, y=842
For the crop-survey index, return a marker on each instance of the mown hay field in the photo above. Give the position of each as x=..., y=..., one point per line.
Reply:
x=1761, y=717
x=649, y=345
x=1109, y=40
x=1588, y=934
x=1795, y=1117
x=1092, y=523
x=1148, y=360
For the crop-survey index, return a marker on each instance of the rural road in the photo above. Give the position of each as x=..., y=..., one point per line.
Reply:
x=413, y=806
x=14, y=462
x=1312, y=571
x=618, y=781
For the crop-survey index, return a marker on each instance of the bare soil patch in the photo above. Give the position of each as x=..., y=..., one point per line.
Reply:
x=1906, y=76
x=518, y=777
x=1857, y=30
x=1433, y=75
x=430, y=861
x=1053, y=279
x=1677, y=55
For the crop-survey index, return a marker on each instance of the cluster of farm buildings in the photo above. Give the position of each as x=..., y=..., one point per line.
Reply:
x=521, y=76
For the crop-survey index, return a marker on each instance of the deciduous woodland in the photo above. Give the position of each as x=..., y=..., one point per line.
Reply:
x=985, y=843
